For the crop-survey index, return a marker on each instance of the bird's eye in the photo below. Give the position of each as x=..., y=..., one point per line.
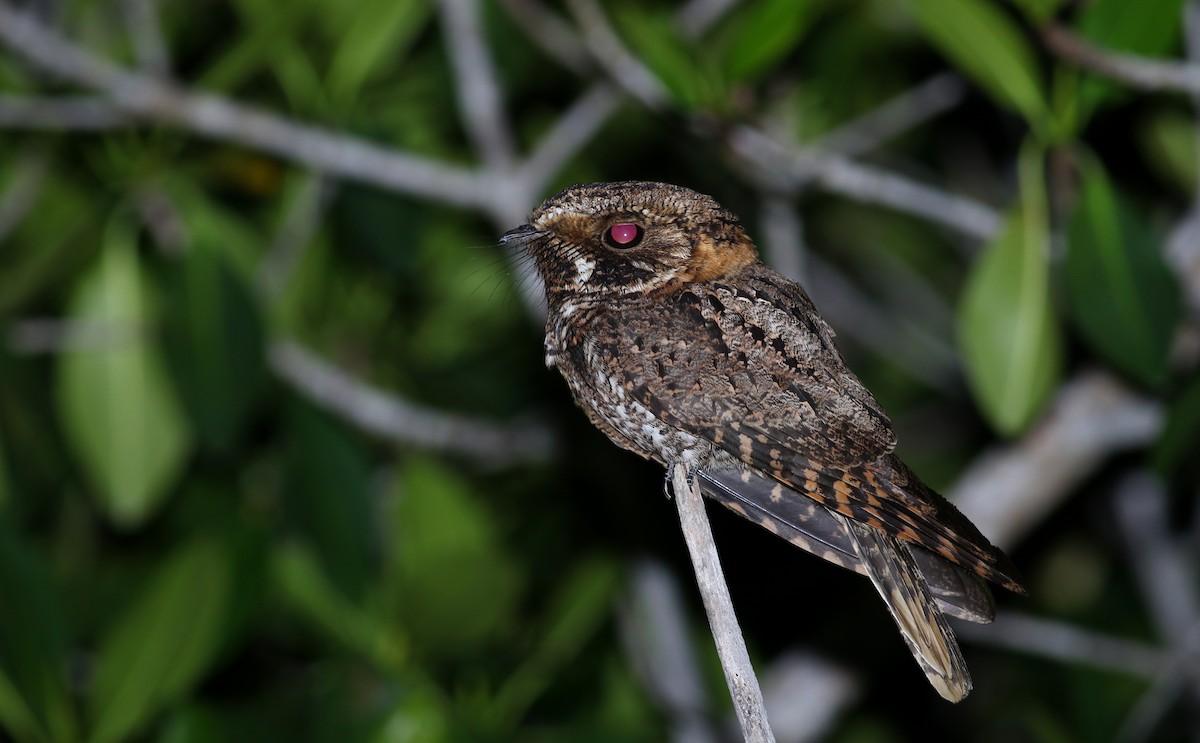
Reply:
x=624, y=235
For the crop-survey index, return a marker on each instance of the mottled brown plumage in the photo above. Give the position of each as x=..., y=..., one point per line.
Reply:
x=682, y=346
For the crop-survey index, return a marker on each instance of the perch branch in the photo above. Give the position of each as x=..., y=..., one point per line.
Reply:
x=731, y=646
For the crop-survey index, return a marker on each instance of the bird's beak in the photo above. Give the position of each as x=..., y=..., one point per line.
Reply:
x=520, y=235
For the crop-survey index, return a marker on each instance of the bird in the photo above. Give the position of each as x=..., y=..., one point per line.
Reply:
x=683, y=347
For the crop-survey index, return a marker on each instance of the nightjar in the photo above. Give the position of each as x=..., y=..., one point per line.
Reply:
x=683, y=347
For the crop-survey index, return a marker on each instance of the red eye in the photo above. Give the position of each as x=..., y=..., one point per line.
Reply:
x=624, y=235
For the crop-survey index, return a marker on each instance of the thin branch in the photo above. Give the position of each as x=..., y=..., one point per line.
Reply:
x=550, y=33
x=573, y=130
x=141, y=17
x=1067, y=643
x=860, y=318
x=219, y=118
x=658, y=641
x=405, y=423
x=783, y=236
x=731, y=646
x=296, y=231
x=610, y=53
x=806, y=695
x=76, y=113
x=1165, y=574
x=894, y=117
x=479, y=98
x=864, y=183
x=700, y=15
x=1009, y=489
x=1137, y=72
x=35, y=336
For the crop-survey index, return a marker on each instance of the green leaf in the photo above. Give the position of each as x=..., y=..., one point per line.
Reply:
x=1123, y=296
x=303, y=581
x=1039, y=11
x=762, y=33
x=119, y=411
x=214, y=342
x=163, y=644
x=1146, y=28
x=34, y=702
x=1180, y=438
x=573, y=617
x=1007, y=332
x=983, y=42
x=447, y=562
x=384, y=29
x=1167, y=139
x=327, y=497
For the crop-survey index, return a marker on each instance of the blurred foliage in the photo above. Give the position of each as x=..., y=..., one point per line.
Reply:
x=191, y=550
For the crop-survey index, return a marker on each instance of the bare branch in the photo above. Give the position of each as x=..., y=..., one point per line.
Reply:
x=405, y=423
x=657, y=638
x=610, y=53
x=1067, y=643
x=700, y=15
x=34, y=336
x=1166, y=576
x=863, y=183
x=1136, y=72
x=805, y=696
x=141, y=17
x=731, y=646
x=1007, y=490
x=296, y=232
x=478, y=93
x=894, y=117
x=858, y=317
x=552, y=34
x=216, y=117
x=573, y=130
x=80, y=113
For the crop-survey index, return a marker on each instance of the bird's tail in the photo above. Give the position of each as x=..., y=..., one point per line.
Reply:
x=893, y=571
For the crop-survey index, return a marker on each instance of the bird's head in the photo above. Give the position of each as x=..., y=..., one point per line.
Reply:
x=610, y=240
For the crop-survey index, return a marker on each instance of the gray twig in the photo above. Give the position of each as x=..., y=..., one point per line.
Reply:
x=700, y=15
x=1137, y=72
x=1009, y=489
x=296, y=231
x=658, y=641
x=1167, y=577
x=573, y=130
x=731, y=646
x=219, y=118
x=610, y=53
x=405, y=423
x=894, y=117
x=1065, y=642
x=479, y=97
x=78, y=113
x=550, y=33
x=141, y=17
x=864, y=183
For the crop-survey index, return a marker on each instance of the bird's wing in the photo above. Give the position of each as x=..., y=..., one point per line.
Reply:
x=761, y=379
x=814, y=528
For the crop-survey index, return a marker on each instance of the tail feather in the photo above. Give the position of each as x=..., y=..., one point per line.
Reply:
x=893, y=571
